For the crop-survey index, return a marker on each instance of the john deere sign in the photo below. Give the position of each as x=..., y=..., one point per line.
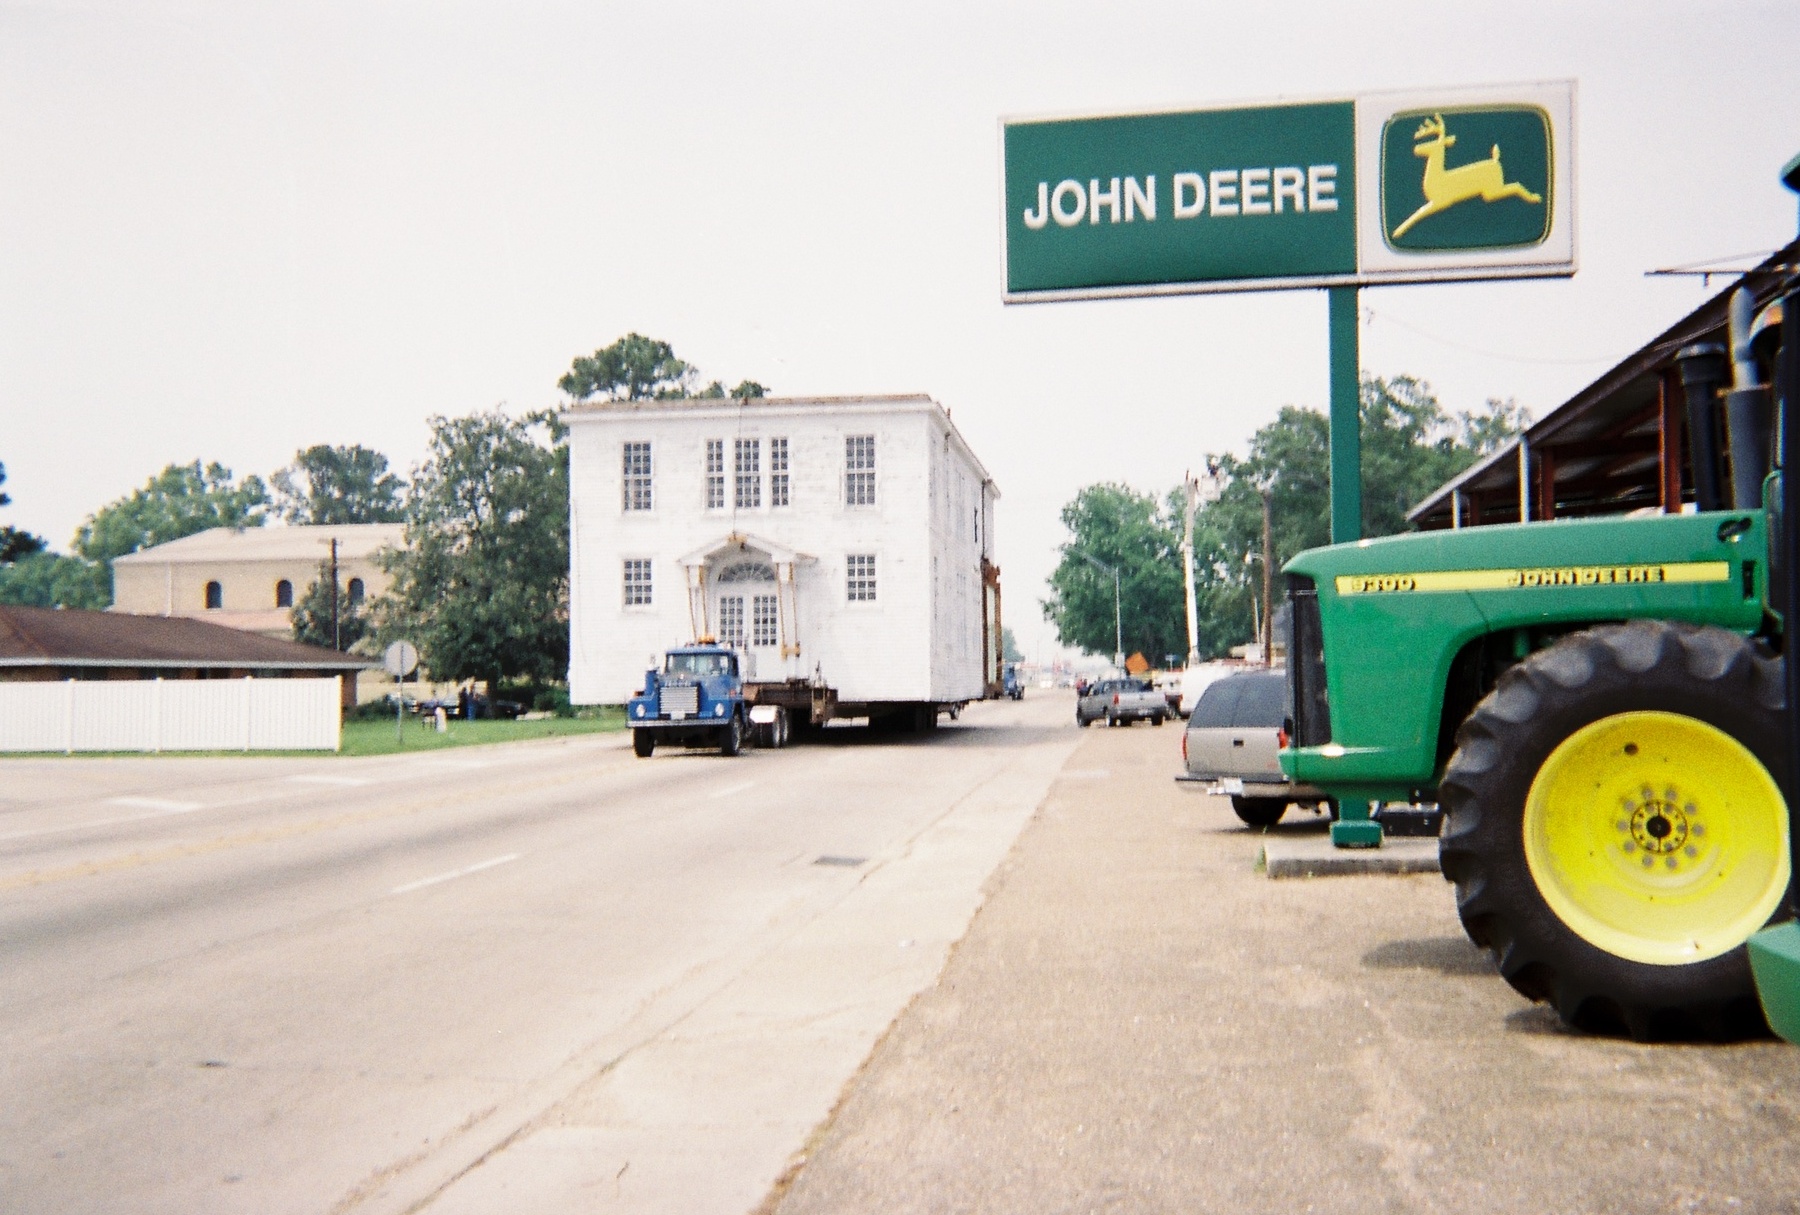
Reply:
x=1416, y=187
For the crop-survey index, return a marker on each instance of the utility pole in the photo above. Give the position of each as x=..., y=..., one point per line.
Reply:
x=337, y=642
x=1268, y=564
x=1198, y=495
x=1118, y=616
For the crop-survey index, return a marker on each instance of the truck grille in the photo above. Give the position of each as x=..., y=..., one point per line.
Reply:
x=681, y=698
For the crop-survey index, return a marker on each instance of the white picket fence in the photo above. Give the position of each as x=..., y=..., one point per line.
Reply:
x=171, y=715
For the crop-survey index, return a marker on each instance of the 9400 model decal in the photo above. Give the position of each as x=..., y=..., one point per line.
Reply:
x=1530, y=578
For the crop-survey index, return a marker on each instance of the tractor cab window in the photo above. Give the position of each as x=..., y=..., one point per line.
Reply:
x=700, y=664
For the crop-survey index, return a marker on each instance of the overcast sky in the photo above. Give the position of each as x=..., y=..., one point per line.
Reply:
x=232, y=230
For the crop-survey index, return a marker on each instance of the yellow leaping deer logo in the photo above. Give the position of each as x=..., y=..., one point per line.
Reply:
x=1444, y=188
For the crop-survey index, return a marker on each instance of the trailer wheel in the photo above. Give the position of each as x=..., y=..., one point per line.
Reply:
x=731, y=736
x=1259, y=811
x=644, y=743
x=1615, y=829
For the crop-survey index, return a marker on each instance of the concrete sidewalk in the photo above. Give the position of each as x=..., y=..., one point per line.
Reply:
x=1139, y=1021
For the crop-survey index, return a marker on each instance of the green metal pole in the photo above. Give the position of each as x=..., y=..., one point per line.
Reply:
x=1354, y=827
x=1346, y=419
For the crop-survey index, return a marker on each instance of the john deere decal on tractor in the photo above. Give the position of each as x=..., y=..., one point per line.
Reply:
x=1602, y=708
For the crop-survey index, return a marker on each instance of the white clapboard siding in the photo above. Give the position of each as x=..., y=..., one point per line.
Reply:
x=171, y=715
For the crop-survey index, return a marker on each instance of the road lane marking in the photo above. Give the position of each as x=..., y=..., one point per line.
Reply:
x=732, y=790
x=465, y=871
x=1086, y=774
x=329, y=780
x=99, y=822
x=164, y=804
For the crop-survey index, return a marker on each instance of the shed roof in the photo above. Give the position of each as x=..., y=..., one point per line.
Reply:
x=68, y=637
x=1604, y=440
x=295, y=542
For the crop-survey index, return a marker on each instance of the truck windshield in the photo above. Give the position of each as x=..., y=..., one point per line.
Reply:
x=699, y=664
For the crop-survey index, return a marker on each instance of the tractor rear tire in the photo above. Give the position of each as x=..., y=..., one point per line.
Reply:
x=1615, y=828
x=1259, y=811
x=643, y=742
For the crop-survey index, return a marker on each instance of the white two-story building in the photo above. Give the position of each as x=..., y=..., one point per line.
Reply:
x=846, y=543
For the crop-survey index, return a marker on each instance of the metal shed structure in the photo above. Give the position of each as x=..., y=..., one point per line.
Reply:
x=1616, y=446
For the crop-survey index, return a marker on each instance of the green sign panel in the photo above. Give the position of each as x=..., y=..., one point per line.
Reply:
x=1406, y=187
x=1203, y=196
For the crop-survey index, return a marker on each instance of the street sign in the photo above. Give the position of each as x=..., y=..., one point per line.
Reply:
x=1422, y=186
x=400, y=659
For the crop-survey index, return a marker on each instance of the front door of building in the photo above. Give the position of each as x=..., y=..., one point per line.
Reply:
x=749, y=616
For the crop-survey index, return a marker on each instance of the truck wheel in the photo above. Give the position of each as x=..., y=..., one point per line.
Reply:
x=1156, y=719
x=1615, y=830
x=1259, y=811
x=644, y=743
x=731, y=736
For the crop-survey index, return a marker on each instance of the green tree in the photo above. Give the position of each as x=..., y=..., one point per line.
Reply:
x=312, y=616
x=1121, y=529
x=1410, y=446
x=1009, y=646
x=482, y=586
x=15, y=543
x=632, y=368
x=334, y=485
x=47, y=579
x=178, y=501
x=636, y=367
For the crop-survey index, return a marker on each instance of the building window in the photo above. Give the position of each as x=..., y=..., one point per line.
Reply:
x=637, y=582
x=731, y=620
x=859, y=470
x=860, y=580
x=778, y=472
x=637, y=476
x=715, y=474
x=763, y=627
x=215, y=595
x=284, y=594
x=747, y=493
x=357, y=590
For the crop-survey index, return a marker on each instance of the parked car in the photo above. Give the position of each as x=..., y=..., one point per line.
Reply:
x=1121, y=702
x=1233, y=746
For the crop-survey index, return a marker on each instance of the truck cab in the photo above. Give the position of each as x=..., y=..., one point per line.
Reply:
x=695, y=700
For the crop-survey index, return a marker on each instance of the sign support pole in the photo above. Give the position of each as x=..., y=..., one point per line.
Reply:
x=1354, y=827
x=1346, y=418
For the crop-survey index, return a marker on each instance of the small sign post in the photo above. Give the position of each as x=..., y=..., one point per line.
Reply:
x=400, y=660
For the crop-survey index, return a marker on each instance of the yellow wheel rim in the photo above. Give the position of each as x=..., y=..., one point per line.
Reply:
x=1657, y=838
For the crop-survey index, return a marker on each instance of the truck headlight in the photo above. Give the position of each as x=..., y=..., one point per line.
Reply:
x=640, y=710
x=719, y=710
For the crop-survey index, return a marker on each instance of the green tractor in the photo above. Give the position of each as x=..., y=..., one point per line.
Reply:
x=1601, y=708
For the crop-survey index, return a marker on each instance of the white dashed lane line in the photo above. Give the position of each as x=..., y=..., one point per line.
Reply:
x=732, y=790
x=164, y=804
x=465, y=871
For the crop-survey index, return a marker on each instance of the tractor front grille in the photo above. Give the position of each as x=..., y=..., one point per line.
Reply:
x=1309, y=708
x=681, y=698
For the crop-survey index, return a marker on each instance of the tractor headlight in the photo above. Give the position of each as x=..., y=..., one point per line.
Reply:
x=719, y=710
x=640, y=710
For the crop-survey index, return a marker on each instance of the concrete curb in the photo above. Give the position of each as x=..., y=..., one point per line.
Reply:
x=1314, y=856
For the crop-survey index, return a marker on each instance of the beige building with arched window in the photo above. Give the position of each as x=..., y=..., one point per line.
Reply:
x=251, y=578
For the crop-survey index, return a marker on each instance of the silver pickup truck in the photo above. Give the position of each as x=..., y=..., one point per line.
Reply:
x=1232, y=745
x=1121, y=702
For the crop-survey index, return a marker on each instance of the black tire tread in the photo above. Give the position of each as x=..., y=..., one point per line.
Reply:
x=1704, y=672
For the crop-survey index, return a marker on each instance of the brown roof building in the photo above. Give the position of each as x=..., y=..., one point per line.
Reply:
x=57, y=643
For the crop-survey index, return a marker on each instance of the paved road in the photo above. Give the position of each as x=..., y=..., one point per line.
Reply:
x=545, y=976
x=1138, y=1021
